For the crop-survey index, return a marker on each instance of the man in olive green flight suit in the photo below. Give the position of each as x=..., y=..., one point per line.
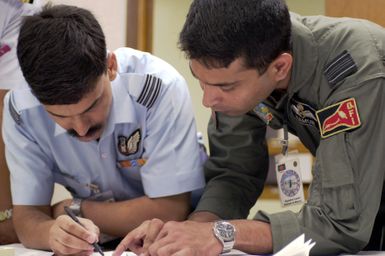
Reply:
x=324, y=77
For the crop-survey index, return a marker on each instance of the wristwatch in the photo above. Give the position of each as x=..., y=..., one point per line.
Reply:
x=5, y=215
x=225, y=232
x=76, y=206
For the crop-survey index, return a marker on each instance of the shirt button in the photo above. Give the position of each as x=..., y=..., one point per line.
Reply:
x=104, y=155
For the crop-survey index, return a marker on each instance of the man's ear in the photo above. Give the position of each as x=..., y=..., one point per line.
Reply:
x=280, y=68
x=112, y=66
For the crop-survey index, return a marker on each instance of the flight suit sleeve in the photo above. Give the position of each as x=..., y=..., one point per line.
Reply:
x=237, y=166
x=348, y=177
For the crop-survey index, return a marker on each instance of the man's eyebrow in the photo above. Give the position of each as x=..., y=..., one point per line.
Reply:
x=85, y=111
x=218, y=84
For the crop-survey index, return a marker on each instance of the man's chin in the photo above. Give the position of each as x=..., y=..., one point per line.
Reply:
x=87, y=138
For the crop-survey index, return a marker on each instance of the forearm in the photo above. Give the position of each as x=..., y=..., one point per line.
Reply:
x=119, y=218
x=32, y=224
x=203, y=216
x=7, y=231
x=253, y=236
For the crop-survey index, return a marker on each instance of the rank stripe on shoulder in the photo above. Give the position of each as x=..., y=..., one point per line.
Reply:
x=340, y=68
x=12, y=110
x=150, y=92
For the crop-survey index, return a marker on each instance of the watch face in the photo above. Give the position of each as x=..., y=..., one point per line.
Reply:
x=225, y=230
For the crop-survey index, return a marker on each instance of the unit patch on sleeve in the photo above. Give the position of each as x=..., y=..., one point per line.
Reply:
x=130, y=145
x=304, y=113
x=339, y=117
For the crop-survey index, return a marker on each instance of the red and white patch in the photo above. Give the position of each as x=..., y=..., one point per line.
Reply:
x=339, y=117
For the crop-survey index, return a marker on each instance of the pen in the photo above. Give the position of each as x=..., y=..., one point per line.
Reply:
x=73, y=216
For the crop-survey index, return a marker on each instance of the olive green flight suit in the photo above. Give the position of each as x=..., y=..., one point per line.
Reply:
x=334, y=60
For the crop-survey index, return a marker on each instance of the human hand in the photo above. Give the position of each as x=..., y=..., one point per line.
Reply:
x=140, y=238
x=184, y=239
x=68, y=237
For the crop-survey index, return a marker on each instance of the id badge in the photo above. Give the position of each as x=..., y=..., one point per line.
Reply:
x=289, y=180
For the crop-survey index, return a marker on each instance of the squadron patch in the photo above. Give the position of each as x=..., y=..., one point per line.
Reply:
x=130, y=145
x=304, y=113
x=263, y=112
x=4, y=49
x=339, y=117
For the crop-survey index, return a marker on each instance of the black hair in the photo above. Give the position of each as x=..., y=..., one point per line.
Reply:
x=216, y=32
x=62, y=52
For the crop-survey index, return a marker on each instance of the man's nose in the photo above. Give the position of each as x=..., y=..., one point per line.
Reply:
x=210, y=95
x=81, y=126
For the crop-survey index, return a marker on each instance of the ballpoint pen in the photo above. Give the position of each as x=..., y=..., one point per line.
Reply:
x=73, y=216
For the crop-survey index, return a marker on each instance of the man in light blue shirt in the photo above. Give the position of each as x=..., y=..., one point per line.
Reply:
x=123, y=143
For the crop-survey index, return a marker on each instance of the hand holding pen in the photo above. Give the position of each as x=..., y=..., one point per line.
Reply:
x=73, y=217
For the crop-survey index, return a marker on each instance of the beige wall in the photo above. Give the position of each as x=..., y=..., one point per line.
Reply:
x=110, y=14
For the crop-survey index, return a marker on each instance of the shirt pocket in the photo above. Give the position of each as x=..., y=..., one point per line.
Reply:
x=130, y=169
x=340, y=200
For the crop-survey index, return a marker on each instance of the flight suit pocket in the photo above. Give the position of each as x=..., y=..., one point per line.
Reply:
x=339, y=195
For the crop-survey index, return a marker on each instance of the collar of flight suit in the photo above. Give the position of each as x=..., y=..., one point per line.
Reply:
x=305, y=55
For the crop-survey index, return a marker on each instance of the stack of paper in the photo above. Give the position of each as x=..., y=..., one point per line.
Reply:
x=298, y=247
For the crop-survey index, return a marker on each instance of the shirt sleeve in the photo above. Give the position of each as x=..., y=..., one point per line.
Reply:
x=348, y=179
x=171, y=147
x=30, y=168
x=237, y=166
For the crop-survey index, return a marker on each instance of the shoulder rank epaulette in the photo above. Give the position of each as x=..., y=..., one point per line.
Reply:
x=339, y=68
x=150, y=92
x=12, y=110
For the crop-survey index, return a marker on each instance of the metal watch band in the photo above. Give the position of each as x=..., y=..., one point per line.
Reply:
x=225, y=232
x=5, y=215
x=76, y=206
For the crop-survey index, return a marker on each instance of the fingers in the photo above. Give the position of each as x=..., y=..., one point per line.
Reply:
x=140, y=238
x=68, y=237
x=153, y=230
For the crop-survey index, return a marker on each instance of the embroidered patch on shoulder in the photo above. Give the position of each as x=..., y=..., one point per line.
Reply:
x=130, y=145
x=263, y=112
x=339, y=117
x=304, y=113
x=339, y=68
x=150, y=91
x=4, y=49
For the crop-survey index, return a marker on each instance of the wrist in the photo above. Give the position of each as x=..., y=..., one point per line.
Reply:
x=224, y=231
x=76, y=206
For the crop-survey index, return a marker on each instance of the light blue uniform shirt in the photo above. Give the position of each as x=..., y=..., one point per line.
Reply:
x=151, y=118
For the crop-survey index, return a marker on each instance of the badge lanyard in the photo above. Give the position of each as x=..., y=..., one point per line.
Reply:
x=288, y=172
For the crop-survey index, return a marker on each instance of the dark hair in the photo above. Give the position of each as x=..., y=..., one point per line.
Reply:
x=216, y=32
x=62, y=52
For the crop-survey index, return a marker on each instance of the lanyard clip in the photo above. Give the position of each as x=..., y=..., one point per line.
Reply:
x=285, y=140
